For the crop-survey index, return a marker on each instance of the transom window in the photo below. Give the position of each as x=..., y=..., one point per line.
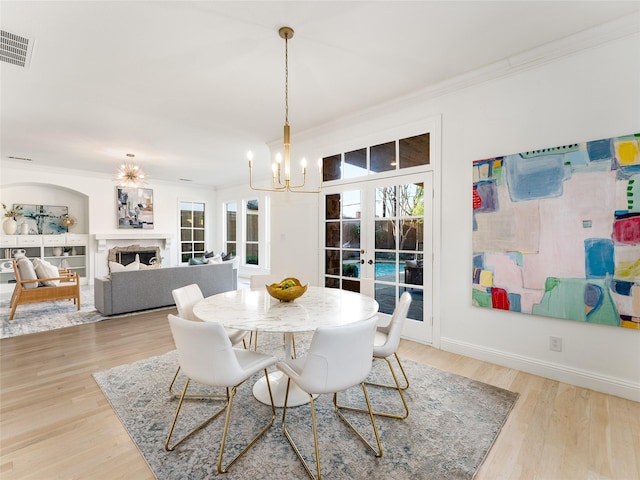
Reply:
x=386, y=157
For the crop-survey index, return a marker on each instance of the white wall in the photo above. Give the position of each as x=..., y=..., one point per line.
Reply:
x=30, y=183
x=589, y=95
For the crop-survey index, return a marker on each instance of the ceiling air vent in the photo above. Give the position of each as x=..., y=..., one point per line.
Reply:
x=15, y=49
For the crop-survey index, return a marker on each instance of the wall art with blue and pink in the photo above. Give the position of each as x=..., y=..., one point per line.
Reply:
x=556, y=232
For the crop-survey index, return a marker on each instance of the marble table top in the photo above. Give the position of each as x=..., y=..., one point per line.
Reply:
x=248, y=309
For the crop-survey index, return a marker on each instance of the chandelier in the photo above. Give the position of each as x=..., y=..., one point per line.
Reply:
x=280, y=182
x=129, y=175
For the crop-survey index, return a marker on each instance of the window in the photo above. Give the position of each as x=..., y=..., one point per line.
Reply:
x=252, y=226
x=192, y=230
x=387, y=157
x=230, y=215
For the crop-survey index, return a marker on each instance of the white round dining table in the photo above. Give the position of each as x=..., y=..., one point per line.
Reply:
x=256, y=310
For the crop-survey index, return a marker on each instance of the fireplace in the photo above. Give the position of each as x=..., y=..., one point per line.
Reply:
x=148, y=255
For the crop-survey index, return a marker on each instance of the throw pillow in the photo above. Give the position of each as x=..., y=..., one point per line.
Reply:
x=196, y=261
x=144, y=266
x=27, y=272
x=45, y=269
x=228, y=256
x=216, y=259
x=208, y=254
x=118, y=267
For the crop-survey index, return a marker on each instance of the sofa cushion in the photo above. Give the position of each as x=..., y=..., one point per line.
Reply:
x=27, y=272
x=45, y=269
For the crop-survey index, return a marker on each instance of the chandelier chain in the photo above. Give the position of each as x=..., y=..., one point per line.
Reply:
x=286, y=79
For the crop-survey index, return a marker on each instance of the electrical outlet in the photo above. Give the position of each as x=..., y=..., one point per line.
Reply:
x=555, y=344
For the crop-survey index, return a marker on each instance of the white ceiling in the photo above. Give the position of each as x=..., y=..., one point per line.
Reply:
x=189, y=87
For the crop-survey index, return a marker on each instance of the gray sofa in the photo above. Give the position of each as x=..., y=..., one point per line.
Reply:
x=151, y=288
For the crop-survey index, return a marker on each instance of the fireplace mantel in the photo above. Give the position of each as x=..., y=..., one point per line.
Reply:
x=103, y=238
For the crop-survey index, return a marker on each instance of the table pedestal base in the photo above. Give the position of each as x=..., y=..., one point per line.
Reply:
x=278, y=381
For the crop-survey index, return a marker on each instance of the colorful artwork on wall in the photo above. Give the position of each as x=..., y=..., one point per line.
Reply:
x=556, y=232
x=135, y=207
x=43, y=219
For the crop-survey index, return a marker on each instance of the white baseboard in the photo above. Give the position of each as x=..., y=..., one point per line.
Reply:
x=554, y=371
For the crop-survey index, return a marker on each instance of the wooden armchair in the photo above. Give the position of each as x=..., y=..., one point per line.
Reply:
x=68, y=289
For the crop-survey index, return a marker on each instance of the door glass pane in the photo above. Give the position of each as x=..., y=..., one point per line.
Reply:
x=385, y=202
x=185, y=235
x=332, y=282
x=411, y=199
x=355, y=163
x=416, y=309
x=351, y=263
x=351, y=234
x=331, y=168
x=332, y=210
x=198, y=235
x=332, y=262
x=414, y=151
x=385, y=235
x=231, y=248
x=383, y=157
x=351, y=285
x=412, y=269
x=351, y=204
x=410, y=234
x=332, y=234
x=386, y=266
x=385, y=295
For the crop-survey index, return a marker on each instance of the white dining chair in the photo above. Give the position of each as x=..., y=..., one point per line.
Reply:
x=386, y=343
x=338, y=358
x=207, y=357
x=186, y=297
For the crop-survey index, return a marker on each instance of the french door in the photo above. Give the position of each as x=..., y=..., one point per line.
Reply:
x=377, y=240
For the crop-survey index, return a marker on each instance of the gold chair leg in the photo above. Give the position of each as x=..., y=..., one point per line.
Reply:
x=314, y=425
x=221, y=396
x=355, y=430
x=404, y=374
x=167, y=445
x=227, y=407
x=315, y=436
x=222, y=469
x=397, y=387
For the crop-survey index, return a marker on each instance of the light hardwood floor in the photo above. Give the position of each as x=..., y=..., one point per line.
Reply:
x=56, y=424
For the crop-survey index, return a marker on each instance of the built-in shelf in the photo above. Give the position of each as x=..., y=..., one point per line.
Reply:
x=103, y=238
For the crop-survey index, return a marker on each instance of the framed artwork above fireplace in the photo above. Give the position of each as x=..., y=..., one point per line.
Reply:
x=135, y=207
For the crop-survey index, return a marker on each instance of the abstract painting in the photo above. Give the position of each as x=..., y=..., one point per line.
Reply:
x=43, y=219
x=135, y=207
x=556, y=232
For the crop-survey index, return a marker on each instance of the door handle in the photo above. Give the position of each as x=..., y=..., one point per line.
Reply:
x=370, y=262
x=362, y=261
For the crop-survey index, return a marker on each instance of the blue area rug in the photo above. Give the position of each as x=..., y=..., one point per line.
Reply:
x=40, y=317
x=453, y=423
